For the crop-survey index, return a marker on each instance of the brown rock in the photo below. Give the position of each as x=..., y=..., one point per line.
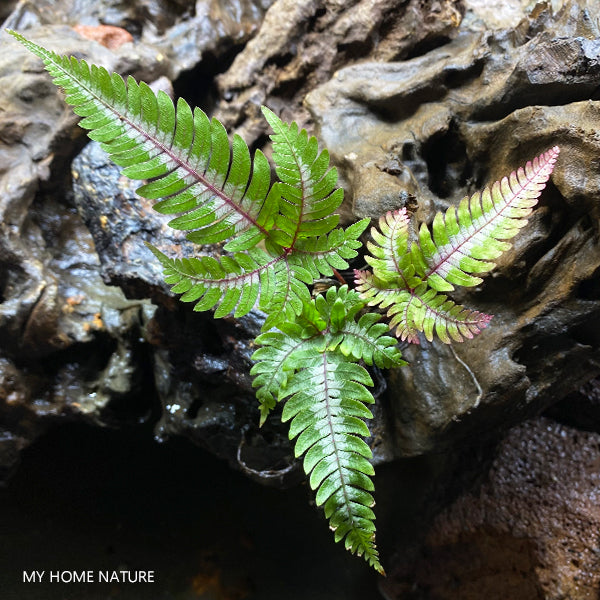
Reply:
x=529, y=532
x=301, y=43
x=442, y=125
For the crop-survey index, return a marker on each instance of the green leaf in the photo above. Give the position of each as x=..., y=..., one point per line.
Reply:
x=309, y=196
x=275, y=362
x=233, y=283
x=216, y=189
x=428, y=312
x=326, y=419
x=389, y=248
x=321, y=255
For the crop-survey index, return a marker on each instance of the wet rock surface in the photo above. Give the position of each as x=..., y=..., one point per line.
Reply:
x=66, y=336
x=70, y=344
x=419, y=103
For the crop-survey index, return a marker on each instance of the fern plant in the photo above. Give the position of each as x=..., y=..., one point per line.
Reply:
x=279, y=237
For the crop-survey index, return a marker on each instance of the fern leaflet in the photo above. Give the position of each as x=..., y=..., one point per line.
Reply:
x=309, y=197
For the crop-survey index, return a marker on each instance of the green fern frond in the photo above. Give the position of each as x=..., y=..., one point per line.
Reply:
x=233, y=282
x=407, y=276
x=326, y=409
x=420, y=309
x=275, y=363
x=218, y=193
x=309, y=193
x=313, y=363
x=216, y=189
x=467, y=239
x=278, y=278
x=326, y=323
x=236, y=284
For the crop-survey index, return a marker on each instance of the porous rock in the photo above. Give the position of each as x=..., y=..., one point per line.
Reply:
x=183, y=32
x=454, y=106
x=529, y=531
x=302, y=42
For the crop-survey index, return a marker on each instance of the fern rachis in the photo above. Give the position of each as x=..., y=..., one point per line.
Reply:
x=279, y=238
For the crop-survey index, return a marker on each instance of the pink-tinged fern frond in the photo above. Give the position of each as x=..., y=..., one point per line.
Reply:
x=427, y=311
x=467, y=239
x=420, y=309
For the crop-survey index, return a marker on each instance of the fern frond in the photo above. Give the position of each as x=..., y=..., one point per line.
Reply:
x=216, y=189
x=326, y=409
x=309, y=196
x=236, y=284
x=276, y=359
x=378, y=292
x=364, y=339
x=421, y=309
x=233, y=282
x=407, y=275
x=467, y=239
x=312, y=364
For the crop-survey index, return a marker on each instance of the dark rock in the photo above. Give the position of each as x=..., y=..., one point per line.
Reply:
x=71, y=345
x=580, y=409
x=450, y=111
x=529, y=531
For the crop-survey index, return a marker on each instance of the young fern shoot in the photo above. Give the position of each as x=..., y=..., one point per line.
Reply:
x=281, y=237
